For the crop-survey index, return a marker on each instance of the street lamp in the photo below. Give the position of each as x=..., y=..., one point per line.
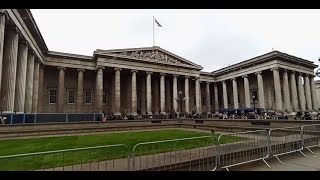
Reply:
x=180, y=99
x=254, y=103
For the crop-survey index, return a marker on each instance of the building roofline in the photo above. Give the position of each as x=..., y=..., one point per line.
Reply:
x=69, y=55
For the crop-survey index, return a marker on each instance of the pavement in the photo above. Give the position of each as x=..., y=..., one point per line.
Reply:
x=291, y=162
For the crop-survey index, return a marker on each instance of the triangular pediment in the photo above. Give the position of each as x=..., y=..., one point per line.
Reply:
x=155, y=54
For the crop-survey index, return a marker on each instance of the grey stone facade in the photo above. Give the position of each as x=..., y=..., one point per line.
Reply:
x=140, y=80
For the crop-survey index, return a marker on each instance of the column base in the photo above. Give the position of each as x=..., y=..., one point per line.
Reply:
x=19, y=112
x=117, y=113
x=7, y=112
x=163, y=113
x=149, y=114
x=134, y=114
x=208, y=112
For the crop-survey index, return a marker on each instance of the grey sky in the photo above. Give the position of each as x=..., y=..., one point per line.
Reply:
x=210, y=38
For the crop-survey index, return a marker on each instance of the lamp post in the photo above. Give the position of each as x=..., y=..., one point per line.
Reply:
x=254, y=103
x=180, y=99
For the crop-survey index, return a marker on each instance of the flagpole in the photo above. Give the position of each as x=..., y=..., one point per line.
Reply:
x=153, y=30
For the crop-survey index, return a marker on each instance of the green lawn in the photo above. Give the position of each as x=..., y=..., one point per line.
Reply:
x=18, y=146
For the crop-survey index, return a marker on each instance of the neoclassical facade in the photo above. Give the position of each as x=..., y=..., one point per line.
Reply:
x=140, y=80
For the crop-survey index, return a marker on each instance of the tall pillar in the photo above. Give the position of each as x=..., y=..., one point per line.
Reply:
x=61, y=89
x=286, y=93
x=197, y=89
x=134, y=92
x=99, y=89
x=175, y=93
x=162, y=94
x=235, y=93
x=35, y=87
x=277, y=89
x=80, y=96
x=186, y=93
x=10, y=55
x=117, y=91
x=307, y=92
x=21, y=77
x=149, y=95
x=302, y=100
x=208, y=97
x=314, y=95
x=200, y=97
x=143, y=96
x=216, y=100
x=225, y=96
x=2, y=30
x=40, y=98
x=294, y=95
x=260, y=90
x=29, y=83
x=246, y=91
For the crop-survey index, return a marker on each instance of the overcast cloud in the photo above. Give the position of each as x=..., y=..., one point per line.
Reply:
x=211, y=38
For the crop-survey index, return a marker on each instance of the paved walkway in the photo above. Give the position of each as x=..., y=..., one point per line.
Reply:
x=291, y=162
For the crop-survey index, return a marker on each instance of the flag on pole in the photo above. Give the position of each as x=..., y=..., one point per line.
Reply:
x=157, y=22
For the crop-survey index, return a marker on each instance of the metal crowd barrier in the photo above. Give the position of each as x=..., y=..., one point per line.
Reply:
x=284, y=141
x=310, y=136
x=175, y=154
x=97, y=158
x=252, y=147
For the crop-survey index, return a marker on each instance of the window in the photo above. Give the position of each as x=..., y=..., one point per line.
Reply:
x=88, y=97
x=203, y=101
x=71, y=98
x=104, y=98
x=52, y=96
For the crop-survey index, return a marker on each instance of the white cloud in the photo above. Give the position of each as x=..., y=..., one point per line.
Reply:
x=211, y=38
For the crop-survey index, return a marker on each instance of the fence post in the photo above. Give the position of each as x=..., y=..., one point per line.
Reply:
x=35, y=118
x=269, y=142
x=302, y=139
x=11, y=118
x=24, y=118
x=94, y=116
x=66, y=117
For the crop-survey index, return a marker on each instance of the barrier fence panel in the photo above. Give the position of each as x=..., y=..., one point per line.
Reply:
x=97, y=158
x=253, y=146
x=187, y=154
x=310, y=136
x=285, y=140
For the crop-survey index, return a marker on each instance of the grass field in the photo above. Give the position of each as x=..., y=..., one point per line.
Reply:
x=31, y=145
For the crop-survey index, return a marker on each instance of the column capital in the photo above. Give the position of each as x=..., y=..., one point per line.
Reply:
x=259, y=72
x=162, y=74
x=2, y=11
x=175, y=75
x=149, y=72
x=12, y=28
x=312, y=76
x=197, y=77
x=207, y=82
x=23, y=41
x=275, y=69
x=285, y=70
x=186, y=77
x=61, y=68
x=293, y=72
x=245, y=76
x=100, y=67
x=83, y=70
x=223, y=81
x=118, y=69
x=233, y=79
x=134, y=70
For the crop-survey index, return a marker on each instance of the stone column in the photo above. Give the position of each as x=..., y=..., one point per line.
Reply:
x=162, y=94
x=21, y=77
x=208, y=97
x=149, y=95
x=200, y=97
x=9, y=64
x=40, y=98
x=314, y=95
x=143, y=96
x=260, y=90
x=175, y=93
x=35, y=87
x=235, y=93
x=277, y=89
x=294, y=95
x=302, y=100
x=61, y=89
x=2, y=30
x=99, y=89
x=186, y=93
x=225, y=96
x=134, y=92
x=197, y=89
x=80, y=96
x=216, y=100
x=307, y=92
x=246, y=91
x=29, y=83
x=286, y=93
x=117, y=91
